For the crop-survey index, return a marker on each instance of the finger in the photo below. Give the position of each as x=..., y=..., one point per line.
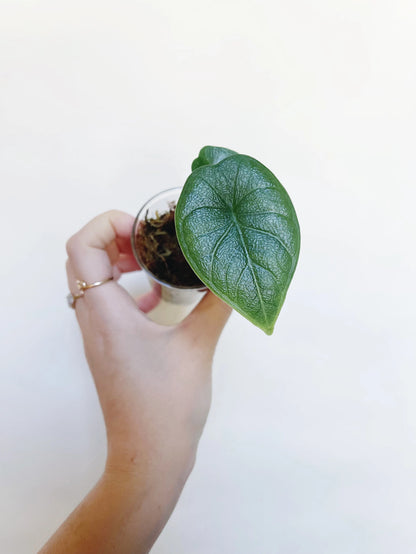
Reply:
x=150, y=300
x=207, y=319
x=108, y=306
x=90, y=261
x=126, y=263
x=121, y=246
x=88, y=250
x=124, y=244
x=79, y=307
x=113, y=252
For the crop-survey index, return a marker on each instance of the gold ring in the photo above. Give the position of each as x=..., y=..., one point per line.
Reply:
x=82, y=287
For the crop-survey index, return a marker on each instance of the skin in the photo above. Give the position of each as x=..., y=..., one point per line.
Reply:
x=154, y=387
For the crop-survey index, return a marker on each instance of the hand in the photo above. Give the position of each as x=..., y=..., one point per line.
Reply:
x=153, y=382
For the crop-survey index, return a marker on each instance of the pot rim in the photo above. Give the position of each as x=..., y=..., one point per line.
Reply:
x=172, y=191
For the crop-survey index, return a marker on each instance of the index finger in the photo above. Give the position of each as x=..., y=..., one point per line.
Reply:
x=87, y=249
x=89, y=260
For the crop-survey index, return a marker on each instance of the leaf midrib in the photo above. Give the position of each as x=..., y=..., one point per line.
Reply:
x=250, y=265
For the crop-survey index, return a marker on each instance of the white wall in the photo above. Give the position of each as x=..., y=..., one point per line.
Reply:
x=310, y=444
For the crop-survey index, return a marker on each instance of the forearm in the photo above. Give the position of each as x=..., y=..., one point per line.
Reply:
x=154, y=386
x=124, y=513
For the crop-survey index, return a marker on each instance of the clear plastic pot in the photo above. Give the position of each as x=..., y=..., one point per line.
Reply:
x=173, y=302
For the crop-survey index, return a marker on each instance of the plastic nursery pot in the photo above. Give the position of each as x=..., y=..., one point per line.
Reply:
x=171, y=302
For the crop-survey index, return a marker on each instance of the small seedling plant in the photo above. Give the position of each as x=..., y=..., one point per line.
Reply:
x=238, y=231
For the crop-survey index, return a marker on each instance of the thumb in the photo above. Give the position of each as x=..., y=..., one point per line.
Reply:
x=208, y=319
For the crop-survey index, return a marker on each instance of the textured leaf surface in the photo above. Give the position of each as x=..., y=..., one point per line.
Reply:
x=238, y=230
x=210, y=155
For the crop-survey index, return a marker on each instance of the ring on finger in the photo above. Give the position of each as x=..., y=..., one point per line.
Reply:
x=82, y=287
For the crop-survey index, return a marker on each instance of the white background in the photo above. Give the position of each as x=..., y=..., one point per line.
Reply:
x=310, y=445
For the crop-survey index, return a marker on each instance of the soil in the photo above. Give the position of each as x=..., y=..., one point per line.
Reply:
x=159, y=250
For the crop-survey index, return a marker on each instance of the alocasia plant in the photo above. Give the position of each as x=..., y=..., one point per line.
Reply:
x=238, y=230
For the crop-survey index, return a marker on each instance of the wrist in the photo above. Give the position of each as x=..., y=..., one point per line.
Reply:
x=149, y=490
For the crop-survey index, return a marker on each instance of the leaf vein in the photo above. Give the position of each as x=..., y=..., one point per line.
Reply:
x=219, y=241
x=268, y=270
x=210, y=232
x=266, y=213
x=215, y=192
x=199, y=208
x=266, y=233
x=251, y=192
x=249, y=263
x=238, y=280
x=235, y=184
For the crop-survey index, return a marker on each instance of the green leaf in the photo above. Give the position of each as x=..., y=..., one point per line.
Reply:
x=211, y=155
x=238, y=230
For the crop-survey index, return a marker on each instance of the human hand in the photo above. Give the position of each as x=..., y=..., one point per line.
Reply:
x=153, y=382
